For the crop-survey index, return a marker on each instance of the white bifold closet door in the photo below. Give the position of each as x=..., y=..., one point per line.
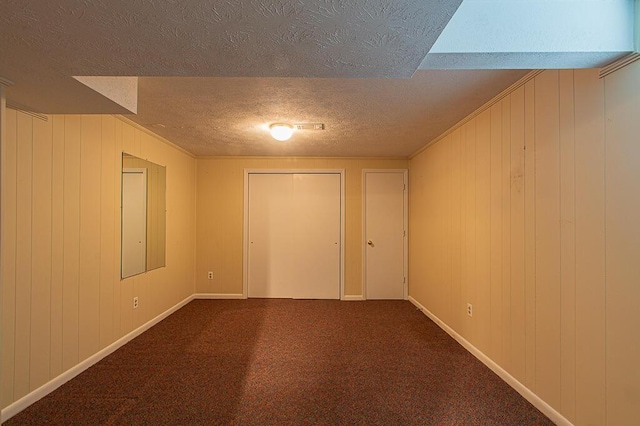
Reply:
x=294, y=236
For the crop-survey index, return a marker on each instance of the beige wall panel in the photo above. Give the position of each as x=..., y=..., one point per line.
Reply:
x=220, y=183
x=567, y=243
x=71, y=242
x=469, y=289
x=24, y=247
x=440, y=292
x=530, y=233
x=446, y=286
x=464, y=214
x=569, y=271
x=590, y=247
x=417, y=212
x=57, y=243
x=496, y=232
x=41, y=254
x=89, y=284
x=506, y=234
x=65, y=249
x=137, y=144
x=547, y=238
x=433, y=235
x=108, y=189
x=116, y=214
x=516, y=272
x=457, y=307
x=622, y=105
x=8, y=253
x=431, y=216
x=482, y=311
x=128, y=140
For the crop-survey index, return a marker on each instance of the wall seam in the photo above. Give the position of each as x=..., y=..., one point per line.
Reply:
x=15, y=261
x=604, y=138
x=560, y=226
x=79, y=239
x=575, y=263
x=51, y=254
x=100, y=238
x=31, y=261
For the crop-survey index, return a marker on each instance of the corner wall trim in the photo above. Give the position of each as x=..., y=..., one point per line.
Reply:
x=26, y=110
x=534, y=399
x=63, y=378
x=620, y=63
x=216, y=296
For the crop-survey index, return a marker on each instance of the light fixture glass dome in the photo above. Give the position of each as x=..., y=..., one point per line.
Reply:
x=281, y=132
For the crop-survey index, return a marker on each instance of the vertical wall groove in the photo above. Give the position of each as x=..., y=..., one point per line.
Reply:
x=578, y=237
x=55, y=251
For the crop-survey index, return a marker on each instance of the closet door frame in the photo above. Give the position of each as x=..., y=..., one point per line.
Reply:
x=245, y=226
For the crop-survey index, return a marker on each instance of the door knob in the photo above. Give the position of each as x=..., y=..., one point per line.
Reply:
x=370, y=242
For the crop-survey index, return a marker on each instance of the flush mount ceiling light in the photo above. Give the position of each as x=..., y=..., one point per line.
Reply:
x=283, y=132
x=280, y=131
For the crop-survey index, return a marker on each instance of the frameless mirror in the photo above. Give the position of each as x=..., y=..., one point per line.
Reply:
x=143, y=217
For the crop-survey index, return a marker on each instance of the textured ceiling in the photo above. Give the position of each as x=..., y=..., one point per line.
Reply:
x=251, y=38
x=214, y=74
x=363, y=117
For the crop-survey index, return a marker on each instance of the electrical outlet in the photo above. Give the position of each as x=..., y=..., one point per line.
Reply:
x=135, y=302
x=469, y=309
x=209, y=275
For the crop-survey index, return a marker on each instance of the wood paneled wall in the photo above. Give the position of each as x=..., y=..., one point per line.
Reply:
x=529, y=211
x=220, y=192
x=63, y=299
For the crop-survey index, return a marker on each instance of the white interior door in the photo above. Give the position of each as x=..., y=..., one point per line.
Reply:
x=270, y=238
x=316, y=236
x=294, y=235
x=134, y=222
x=384, y=195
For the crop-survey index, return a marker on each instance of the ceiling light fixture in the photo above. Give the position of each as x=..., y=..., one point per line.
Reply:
x=280, y=131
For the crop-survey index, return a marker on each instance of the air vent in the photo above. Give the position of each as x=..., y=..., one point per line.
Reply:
x=309, y=126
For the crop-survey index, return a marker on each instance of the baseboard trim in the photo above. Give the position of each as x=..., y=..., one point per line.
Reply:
x=534, y=399
x=217, y=296
x=352, y=297
x=50, y=386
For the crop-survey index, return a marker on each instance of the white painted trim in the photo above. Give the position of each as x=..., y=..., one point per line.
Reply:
x=620, y=63
x=352, y=298
x=534, y=399
x=26, y=110
x=218, y=296
x=245, y=223
x=63, y=378
x=405, y=173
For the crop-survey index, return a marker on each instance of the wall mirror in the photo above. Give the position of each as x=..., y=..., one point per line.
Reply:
x=143, y=217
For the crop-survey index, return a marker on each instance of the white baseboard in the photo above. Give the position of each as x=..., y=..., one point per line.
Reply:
x=352, y=297
x=63, y=378
x=534, y=399
x=218, y=296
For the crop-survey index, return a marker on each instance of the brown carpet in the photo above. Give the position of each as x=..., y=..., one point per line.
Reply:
x=267, y=362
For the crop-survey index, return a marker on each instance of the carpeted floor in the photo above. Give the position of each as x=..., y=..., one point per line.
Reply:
x=268, y=362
